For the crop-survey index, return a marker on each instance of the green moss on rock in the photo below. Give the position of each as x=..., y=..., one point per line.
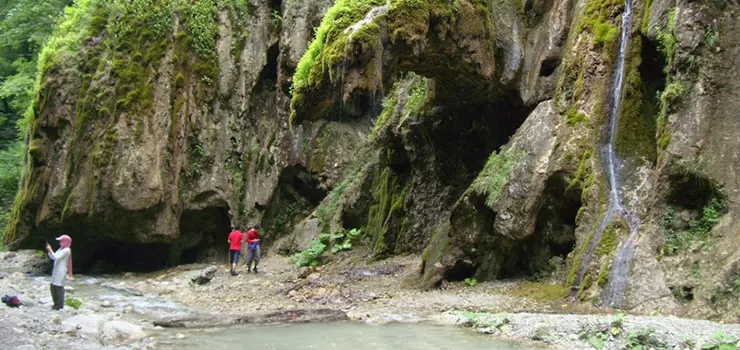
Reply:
x=494, y=175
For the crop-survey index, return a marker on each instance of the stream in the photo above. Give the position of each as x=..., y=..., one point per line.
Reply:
x=108, y=297
x=340, y=335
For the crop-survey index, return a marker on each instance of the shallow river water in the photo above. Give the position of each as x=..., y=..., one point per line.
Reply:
x=142, y=309
x=338, y=335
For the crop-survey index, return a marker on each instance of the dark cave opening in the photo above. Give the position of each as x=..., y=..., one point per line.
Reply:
x=202, y=233
x=267, y=81
x=651, y=68
x=554, y=237
x=548, y=66
x=690, y=191
x=113, y=256
x=466, y=135
x=461, y=270
x=683, y=294
x=295, y=197
x=275, y=5
x=653, y=79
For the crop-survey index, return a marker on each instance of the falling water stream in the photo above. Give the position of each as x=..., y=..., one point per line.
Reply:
x=613, y=292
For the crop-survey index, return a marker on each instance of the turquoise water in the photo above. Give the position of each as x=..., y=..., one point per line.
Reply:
x=344, y=335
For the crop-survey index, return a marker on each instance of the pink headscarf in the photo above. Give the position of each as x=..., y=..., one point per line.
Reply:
x=66, y=242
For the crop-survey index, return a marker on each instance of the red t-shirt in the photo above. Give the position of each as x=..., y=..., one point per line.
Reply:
x=235, y=240
x=252, y=236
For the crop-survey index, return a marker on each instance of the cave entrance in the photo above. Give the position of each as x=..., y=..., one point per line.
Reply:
x=295, y=197
x=113, y=256
x=543, y=254
x=468, y=131
x=203, y=235
x=267, y=81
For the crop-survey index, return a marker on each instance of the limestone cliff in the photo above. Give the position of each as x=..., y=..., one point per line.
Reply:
x=472, y=132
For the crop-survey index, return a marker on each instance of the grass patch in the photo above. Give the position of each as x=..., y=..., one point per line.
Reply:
x=540, y=291
x=494, y=175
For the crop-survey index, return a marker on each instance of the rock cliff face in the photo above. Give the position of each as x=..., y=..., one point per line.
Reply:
x=471, y=132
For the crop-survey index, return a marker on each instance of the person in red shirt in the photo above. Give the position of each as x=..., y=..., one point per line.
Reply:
x=253, y=251
x=235, y=246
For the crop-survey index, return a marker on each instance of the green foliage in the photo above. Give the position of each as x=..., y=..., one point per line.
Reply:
x=675, y=241
x=494, y=175
x=574, y=117
x=672, y=92
x=483, y=319
x=276, y=19
x=338, y=17
x=409, y=93
x=389, y=105
x=11, y=164
x=328, y=47
x=666, y=38
x=197, y=159
x=73, y=303
x=417, y=89
x=720, y=341
x=326, y=209
x=389, y=192
x=605, y=34
x=311, y=256
x=599, y=335
x=643, y=340
x=710, y=37
x=595, y=17
x=669, y=96
x=201, y=23
x=546, y=292
x=338, y=241
x=470, y=282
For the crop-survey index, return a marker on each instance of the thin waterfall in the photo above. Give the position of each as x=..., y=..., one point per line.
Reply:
x=613, y=292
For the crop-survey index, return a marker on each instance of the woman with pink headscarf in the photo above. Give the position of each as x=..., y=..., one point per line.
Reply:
x=62, y=267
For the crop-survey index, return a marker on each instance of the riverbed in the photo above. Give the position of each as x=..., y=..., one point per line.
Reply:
x=385, y=309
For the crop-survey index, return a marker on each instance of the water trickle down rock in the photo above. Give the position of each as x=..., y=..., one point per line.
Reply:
x=618, y=278
x=351, y=30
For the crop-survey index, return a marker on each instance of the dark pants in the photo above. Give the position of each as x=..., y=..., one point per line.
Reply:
x=253, y=254
x=57, y=295
x=234, y=257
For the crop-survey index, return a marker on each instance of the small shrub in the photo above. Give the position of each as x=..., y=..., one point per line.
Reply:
x=643, y=340
x=470, y=282
x=338, y=241
x=666, y=39
x=276, y=19
x=720, y=341
x=675, y=241
x=73, y=303
x=575, y=117
x=710, y=37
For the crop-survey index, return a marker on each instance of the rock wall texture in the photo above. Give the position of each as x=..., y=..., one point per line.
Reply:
x=471, y=132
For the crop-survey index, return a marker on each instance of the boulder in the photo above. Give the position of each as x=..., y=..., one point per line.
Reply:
x=204, y=276
x=87, y=326
x=120, y=331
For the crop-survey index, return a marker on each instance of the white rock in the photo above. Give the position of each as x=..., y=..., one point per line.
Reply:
x=85, y=325
x=115, y=331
